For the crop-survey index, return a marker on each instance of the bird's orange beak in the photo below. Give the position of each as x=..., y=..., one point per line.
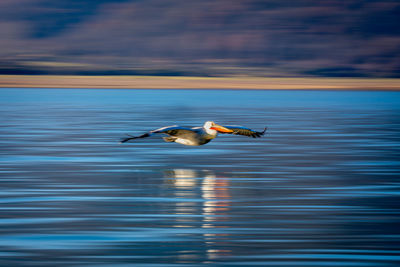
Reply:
x=221, y=129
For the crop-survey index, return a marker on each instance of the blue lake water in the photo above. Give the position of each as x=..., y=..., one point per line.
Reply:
x=322, y=188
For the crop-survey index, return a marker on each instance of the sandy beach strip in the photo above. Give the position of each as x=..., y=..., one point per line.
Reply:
x=160, y=82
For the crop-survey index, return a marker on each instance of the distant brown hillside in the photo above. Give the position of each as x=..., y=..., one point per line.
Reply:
x=201, y=38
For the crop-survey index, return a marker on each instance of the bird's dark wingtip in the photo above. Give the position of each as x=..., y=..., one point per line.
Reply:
x=259, y=134
x=134, y=137
x=263, y=132
x=124, y=140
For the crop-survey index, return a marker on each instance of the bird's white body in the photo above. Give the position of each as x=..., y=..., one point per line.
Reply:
x=196, y=136
x=186, y=142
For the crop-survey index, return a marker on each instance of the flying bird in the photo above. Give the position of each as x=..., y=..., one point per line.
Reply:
x=197, y=136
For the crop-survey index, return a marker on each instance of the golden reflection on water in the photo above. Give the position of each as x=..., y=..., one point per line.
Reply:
x=214, y=190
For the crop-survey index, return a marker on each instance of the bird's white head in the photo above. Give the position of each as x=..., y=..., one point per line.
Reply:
x=207, y=126
x=213, y=129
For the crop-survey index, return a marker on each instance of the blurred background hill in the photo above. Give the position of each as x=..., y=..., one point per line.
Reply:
x=272, y=38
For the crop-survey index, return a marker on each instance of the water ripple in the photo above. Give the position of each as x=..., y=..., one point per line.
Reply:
x=320, y=189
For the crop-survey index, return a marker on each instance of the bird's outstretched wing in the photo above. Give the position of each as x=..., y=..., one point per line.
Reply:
x=240, y=130
x=171, y=130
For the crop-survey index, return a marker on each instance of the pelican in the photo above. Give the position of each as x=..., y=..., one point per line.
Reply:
x=197, y=136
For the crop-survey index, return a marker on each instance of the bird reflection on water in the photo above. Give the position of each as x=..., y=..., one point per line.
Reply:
x=214, y=190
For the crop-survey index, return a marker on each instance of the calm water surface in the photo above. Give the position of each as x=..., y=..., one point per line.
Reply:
x=321, y=188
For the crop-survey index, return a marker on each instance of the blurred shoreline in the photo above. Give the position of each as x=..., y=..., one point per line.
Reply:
x=175, y=82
